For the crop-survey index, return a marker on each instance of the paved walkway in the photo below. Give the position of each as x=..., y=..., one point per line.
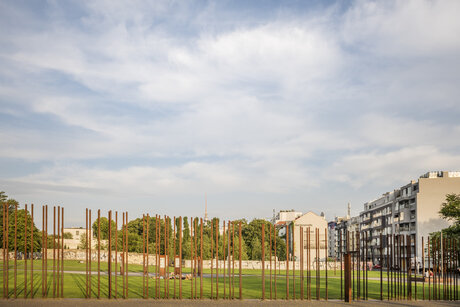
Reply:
x=246, y=303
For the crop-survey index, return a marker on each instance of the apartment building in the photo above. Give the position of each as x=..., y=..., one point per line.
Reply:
x=409, y=210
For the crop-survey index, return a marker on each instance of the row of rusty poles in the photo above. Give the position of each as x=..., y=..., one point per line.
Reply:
x=58, y=252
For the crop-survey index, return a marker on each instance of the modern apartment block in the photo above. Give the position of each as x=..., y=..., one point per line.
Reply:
x=409, y=210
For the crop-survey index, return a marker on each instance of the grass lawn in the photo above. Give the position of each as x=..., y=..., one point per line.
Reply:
x=75, y=284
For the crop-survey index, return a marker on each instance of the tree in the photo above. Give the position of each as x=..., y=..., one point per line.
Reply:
x=104, y=228
x=450, y=210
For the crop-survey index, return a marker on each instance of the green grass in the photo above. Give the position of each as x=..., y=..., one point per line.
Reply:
x=75, y=284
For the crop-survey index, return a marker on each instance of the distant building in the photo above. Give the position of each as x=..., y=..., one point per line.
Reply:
x=409, y=210
x=76, y=235
x=332, y=239
x=308, y=221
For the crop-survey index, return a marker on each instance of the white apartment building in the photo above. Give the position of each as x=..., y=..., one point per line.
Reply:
x=409, y=210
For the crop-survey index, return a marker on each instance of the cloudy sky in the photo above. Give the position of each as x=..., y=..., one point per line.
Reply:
x=147, y=106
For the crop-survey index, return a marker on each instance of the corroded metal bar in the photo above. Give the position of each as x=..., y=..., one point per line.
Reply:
x=217, y=259
x=240, y=254
x=86, y=254
x=191, y=258
x=46, y=251
x=223, y=257
x=16, y=248
x=31, y=250
x=174, y=255
x=123, y=254
x=301, y=263
x=165, y=251
x=116, y=254
x=180, y=257
x=309, y=263
x=201, y=258
x=287, y=261
x=274, y=236
x=3, y=247
x=58, y=252
x=325, y=258
x=54, y=251
x=381, y=267
x=212, y=260
x=263, y=261
x=126, y=257
x=147, y=247
x=43, y=251
x=109, y=252
x=98, y=253
x=233, y=260
x=62, y=252
x=270, y=255
x=318, y=280
x=143, y=256
x=196, y=257
x=341, y=262
x=25, y=252
x=293, y=263
x=89, y=241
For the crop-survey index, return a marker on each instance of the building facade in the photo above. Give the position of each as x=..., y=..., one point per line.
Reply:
x=411, y=210
x=314, y=223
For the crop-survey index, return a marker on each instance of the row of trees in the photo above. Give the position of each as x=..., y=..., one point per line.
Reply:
x=251, y=244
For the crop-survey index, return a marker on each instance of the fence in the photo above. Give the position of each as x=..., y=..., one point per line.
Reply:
x=397, y=274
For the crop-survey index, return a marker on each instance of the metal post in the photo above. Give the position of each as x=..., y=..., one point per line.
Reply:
x=347, y=263
x=381, y=267
x=241, y=281
x=180, y=257
x=99, y=253
x=274, y=236
x=109, y=252
x=174, y=247
x=62, y=252
x=318, y=278
x=233, y=260
x=287, y=261
x=201, y=258
x=217, y=259
x=270, y=255
x=263, y=261
x=31, y=249
x=16, y=248
x=126, y=257
x=54, y=251
x=89, y=242
x=116, y=254
x=223, y=257
x=123, y=253
x=25, y=252
x=143, y=256
x=325, y=257
x=147, y=247
x=228, y=261
x=301, y=261
x=212, y=260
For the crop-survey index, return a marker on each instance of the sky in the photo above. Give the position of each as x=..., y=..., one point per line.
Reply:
x=149, y=106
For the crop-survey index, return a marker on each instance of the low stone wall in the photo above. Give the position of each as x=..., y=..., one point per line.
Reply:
x=136, y=258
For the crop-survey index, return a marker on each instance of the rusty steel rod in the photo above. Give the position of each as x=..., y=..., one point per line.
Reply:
x=318, y=280
x=212, y=260
x=62, y=252
x=165, y=251
x=174, y=255
x=116, y=254
x=287, y=261
x=196, y=256
x=86, y=255
x=89, y=241
x=126, y=258
x=217, y=259
x=123, y=254
x=223, y=258
x=201, y=258
x=325, y=259
x=58, y=252
x=54, y=251
x=233, y=260
x=293, y=262
x=180, y=257
x=270, y=255
x=109, y=253
x=191, y=258
x=15, y=248
x=301, y=263
x=309, y=263
x=99, y=253
x=43, y=251
x=274, y=236
x=31, y=249
x=143, y=256
x=25, y=251
x=240, y=253
x=263, y=261
x=147, y=246
x=3, y=247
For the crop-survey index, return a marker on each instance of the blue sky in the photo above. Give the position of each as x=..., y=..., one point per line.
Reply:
x=147, y=106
